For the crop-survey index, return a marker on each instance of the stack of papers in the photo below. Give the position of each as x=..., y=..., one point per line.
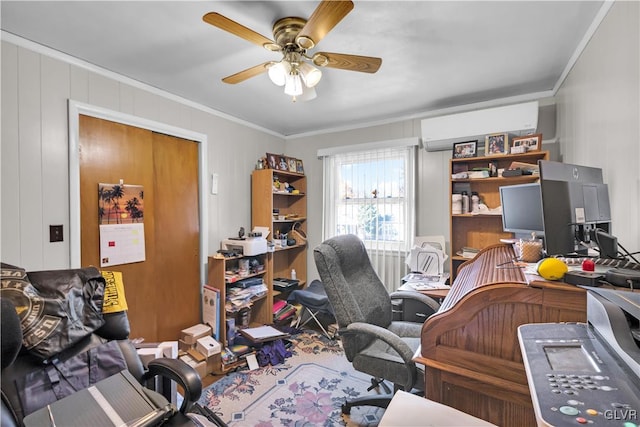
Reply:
x=422, y=282
x=238, y=298
x=467, y=252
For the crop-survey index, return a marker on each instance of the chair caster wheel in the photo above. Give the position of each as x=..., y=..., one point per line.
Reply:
x=346, y=409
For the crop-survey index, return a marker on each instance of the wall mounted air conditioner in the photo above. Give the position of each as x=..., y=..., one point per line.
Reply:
x=440, y=133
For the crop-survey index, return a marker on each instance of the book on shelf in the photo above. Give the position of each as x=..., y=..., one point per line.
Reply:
x=278, y=305
x=283, y=285
x=531, y=168
x=288, y=311
x=468, y=252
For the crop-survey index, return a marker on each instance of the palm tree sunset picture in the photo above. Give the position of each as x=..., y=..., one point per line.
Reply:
x=120, y=204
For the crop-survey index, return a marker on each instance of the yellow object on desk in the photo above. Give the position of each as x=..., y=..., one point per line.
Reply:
x=552, y=268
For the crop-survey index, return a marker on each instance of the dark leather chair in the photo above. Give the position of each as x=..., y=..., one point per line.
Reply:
x=18, y=364
x=373, y=342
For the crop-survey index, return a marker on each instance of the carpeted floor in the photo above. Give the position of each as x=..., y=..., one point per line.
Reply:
x=308, y=389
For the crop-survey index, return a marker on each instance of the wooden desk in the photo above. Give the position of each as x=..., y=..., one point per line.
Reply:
x=470, y=346
x=437, y=294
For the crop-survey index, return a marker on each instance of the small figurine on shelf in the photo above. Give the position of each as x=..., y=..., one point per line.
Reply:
x=288, y=187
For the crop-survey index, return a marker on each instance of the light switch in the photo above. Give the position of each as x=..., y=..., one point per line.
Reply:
x=214, y=183
x=55, y=233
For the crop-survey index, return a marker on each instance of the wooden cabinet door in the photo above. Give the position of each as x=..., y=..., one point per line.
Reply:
x=163, y=292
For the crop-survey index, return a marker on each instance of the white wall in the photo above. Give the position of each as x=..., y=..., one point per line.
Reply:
x=599, y=115
x=35, y=178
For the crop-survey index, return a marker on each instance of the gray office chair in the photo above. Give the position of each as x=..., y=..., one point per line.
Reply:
x=372, y=341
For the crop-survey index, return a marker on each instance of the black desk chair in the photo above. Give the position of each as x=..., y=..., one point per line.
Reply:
x=22, y=368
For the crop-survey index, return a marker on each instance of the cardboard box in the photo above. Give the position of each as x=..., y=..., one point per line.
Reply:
x=214, y=364
x=191, y=335
x=208, y=346
x=183, y=346
x=196, y=355
x=200, y=367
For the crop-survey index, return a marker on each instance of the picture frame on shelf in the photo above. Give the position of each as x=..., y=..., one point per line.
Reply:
x=466, y=149
x=272, y=161
x=299, y=167
x=496, y=144
x=527, y=142
x=291, y=162
x=283, y=165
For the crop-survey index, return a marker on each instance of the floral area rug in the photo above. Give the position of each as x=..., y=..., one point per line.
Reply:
x=308, y=389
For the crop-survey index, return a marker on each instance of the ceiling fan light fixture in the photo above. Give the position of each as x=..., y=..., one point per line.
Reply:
x=310, y=75
x=293, y=37
x=293, y=86
x=278, y=72
x=308, y=94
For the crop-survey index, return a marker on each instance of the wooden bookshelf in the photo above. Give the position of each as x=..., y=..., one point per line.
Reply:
x=481, y=230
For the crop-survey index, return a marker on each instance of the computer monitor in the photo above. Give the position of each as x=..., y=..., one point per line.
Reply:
x=522, y=210
x=575, y=203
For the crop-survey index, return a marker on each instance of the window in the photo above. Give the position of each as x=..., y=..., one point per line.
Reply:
x=369, y=192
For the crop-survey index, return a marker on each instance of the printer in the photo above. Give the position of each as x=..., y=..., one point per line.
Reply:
x=248, y=246
x=587, y=373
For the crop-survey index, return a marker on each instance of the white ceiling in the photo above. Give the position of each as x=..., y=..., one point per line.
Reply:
x=436, y=54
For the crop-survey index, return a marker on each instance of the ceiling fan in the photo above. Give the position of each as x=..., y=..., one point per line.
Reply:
x=293, y=38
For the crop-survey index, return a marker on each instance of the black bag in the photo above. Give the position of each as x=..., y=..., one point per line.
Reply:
x=58, y=379
x=57, y=308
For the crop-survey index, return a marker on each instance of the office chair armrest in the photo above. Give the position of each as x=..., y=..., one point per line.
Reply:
x=180, y=372
x=416, y=296
x=385, y=335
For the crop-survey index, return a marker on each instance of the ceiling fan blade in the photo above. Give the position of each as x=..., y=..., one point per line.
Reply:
x=365, y=64
x=247, y=74
x=239, y=30
x=322, y=20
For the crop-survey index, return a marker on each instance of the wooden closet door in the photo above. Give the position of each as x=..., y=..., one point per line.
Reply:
x=163, y=292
